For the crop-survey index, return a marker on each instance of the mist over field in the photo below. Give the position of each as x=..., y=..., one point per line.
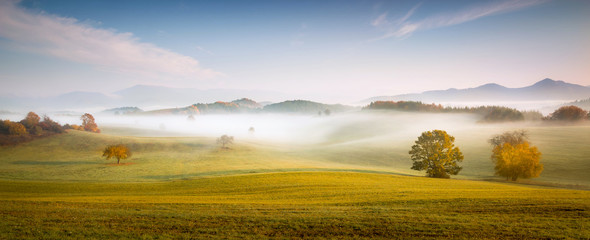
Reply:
x=288, y=128
x=295, y=119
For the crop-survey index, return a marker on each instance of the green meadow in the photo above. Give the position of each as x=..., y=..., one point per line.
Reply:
x=353, y=182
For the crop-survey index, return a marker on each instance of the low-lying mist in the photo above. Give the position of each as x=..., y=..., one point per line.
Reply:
x=289, y=128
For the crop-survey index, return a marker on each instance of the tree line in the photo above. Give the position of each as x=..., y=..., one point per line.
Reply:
x=488, y=113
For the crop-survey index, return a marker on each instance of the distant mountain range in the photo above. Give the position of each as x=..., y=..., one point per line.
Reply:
x=157, y=97
x=140, y=96
x=544, y=90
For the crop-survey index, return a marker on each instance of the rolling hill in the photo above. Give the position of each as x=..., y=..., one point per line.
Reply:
x=303, y=106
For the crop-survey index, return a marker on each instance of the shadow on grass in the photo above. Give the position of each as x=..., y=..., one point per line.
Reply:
x=51, y=163
x=254, y=171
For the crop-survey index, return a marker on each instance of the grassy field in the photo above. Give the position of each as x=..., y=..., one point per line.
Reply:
x=292, y=205
x=351, y=181
x=76, y=156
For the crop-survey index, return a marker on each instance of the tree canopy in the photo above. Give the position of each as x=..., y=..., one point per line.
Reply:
x=514, y=157
x=31, y=120
x=436, y=153
x=488, y=113
x=569, y=113
x=225, y=140
x=118, y=151
x=88, y=123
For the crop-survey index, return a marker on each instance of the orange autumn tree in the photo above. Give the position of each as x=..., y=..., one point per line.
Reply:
x=31, y=120
x=88, y=123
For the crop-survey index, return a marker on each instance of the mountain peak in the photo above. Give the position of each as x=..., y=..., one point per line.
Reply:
x=491, y=86
x=548, y=82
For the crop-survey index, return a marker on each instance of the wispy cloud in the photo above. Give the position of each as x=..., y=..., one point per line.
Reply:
x=404, y=27
x=70, y=39
x=379, y=21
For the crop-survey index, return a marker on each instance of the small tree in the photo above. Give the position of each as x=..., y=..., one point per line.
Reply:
x=118, y=151
x=88, y=123
x=436, y=153
x=31, y=120
x=225, y=140
x=514, y=157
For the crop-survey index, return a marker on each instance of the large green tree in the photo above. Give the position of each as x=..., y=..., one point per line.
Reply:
x=436, y=153
x=514, y=157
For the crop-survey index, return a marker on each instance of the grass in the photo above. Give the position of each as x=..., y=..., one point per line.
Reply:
x=76, y=156
x=292, y=205
x=355, y=183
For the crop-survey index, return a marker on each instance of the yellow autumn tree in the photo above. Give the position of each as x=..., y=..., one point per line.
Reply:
x=514, y=157
x=118, y=151
x=15, y=128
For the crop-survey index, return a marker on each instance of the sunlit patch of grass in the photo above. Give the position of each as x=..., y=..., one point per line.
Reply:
x=293, y=205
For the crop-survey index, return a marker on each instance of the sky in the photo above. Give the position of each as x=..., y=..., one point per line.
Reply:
x=330, y=51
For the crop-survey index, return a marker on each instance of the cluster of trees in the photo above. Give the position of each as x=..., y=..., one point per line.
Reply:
x=27, y=129
x=88, y=124
x=512, y=154
x=569, y=113
x=489, y=113
x=33, y=126
x=405, y=106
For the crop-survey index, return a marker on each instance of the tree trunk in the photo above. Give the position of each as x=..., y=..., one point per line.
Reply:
x=514, y=177
x=118, y=160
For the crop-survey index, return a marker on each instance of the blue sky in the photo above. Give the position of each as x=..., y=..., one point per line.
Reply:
x=334, y=51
